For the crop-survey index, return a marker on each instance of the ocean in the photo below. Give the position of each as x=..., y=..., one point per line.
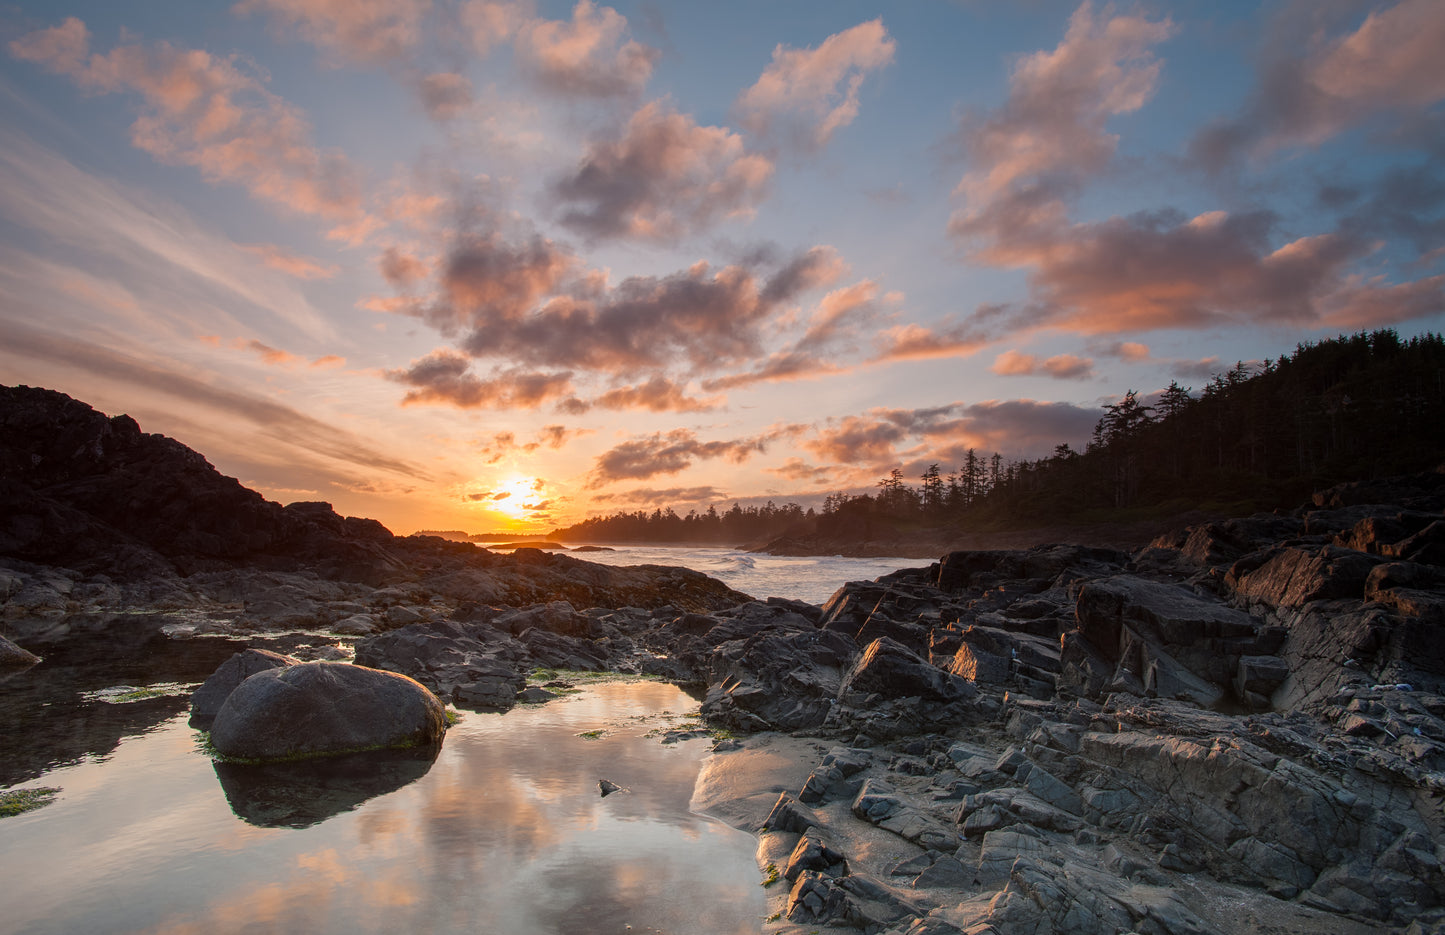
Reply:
x=811, y=578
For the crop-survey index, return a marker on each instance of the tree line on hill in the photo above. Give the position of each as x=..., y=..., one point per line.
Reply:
x=1354, y=407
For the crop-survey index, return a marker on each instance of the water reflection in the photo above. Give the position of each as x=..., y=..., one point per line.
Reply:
x=299, y=795
x=504, y=834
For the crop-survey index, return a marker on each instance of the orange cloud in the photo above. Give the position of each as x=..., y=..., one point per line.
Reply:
x=586, y=55
x=204, y=111
x=361, y=30
x=814, y=92
x=292, y=264
x=1051, y=131
x=663, y=178
x=916, y=342
x=658, y=394
x=1060, y=366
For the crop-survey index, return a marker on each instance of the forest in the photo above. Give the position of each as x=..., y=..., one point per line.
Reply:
x=1354, y=407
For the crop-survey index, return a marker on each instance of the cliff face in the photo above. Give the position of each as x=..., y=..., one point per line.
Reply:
x=95, y=493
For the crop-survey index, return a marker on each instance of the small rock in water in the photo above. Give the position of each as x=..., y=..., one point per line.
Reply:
x=608, y=787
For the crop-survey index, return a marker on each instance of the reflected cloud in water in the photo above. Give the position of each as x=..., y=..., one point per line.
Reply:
x=504, y=832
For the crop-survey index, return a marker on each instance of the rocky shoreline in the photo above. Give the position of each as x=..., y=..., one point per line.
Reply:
x=1237, y=728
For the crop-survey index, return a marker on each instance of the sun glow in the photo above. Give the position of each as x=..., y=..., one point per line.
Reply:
x=516, y=497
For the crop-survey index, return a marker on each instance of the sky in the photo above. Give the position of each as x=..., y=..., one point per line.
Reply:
x=499, y=266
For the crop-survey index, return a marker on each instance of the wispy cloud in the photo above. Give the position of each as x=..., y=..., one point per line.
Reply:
x=209, y=112
x=152, y=239
x=806, y=95
x=279, y=424
x=1384, y=72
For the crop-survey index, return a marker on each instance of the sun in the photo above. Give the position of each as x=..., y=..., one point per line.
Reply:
x=511, y=497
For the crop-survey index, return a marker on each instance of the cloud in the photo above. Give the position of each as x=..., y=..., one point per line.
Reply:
x=1201, y=369
x=659, y=453
x=1060, y=367
x=917, y=342
x=270, y=355
x=1130, y=351
x=488, y=281
x=1051, y=132
x=205, y=111
x=503, y=444
x=668, y=496
x=658, y=394
x=291, y=263
x=526, y=303
x=278, y=424
x=151, y=246
x=1389, y=66
x=779, y=367
x=368, y=31
x=444, y=377
x=402, y=270
x=445, y=95
x=1361, y=303
x=584, y=56
x=883, y=438
x=665, y=177
x=809, y=94
x=800, y=472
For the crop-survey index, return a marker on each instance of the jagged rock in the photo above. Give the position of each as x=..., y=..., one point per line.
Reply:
x=779, y=679
x=206, y=701
x=891, y=670
x=473, y=665
x=813, y=852
x=1292, y=577
x=321, y=708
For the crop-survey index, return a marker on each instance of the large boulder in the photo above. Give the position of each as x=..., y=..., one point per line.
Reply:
x=206, y=701
x=324, y=708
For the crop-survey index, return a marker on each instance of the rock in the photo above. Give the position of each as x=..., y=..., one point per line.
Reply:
x=778, y=679
x=536, y=695
x=814, y=853
x=470, y=664
x=207, y=700
x=321, y=708
x=1292, y=577
x=891, y=670
x=12, y=656
x=607, y=787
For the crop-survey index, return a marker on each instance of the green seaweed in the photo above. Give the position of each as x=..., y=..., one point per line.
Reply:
x=16, y=801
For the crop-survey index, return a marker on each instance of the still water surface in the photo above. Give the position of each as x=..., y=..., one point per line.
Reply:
x=504, y=832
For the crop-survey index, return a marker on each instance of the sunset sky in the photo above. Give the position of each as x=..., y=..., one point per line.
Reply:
x=491, y=265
